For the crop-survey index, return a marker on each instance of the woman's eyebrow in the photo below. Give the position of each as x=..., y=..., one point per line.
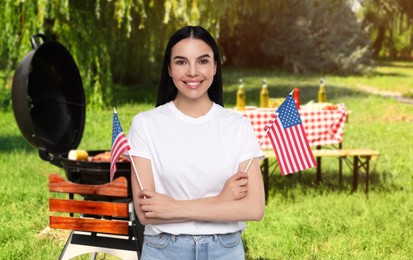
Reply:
x=179, y=57
x=184, y=58
x=204, y=56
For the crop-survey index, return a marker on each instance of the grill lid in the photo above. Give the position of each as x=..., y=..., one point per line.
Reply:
x=48, y=99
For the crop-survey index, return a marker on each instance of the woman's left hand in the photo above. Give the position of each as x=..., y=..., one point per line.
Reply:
x=235, y=188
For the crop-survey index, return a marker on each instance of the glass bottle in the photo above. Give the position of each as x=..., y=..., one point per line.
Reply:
x=322, y=94
x=296, y=96
x=264, y=96
x=241, y=96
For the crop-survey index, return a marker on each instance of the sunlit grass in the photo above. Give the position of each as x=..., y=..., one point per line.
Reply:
x=302, y=220
x=394, y=77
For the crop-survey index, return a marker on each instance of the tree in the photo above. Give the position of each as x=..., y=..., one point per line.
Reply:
x=390, y=26
x=300, y=36
x=122, y=41
x=118, y=41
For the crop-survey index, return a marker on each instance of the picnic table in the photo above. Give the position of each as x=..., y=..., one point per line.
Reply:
x=324, y=128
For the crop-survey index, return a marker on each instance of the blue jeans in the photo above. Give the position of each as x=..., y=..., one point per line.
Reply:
x=193, y=247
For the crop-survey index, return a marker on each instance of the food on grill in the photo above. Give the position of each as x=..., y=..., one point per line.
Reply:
x=78, y=155
x=101, y=157
x=82, y=155
x=105, y=157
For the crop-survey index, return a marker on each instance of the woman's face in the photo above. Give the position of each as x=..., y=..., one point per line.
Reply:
x=192, y=68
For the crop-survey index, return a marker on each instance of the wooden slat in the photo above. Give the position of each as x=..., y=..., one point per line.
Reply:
x=118, y=188
x=90, y=225
x=114, y=209
x=335, y=153
x=344, y=152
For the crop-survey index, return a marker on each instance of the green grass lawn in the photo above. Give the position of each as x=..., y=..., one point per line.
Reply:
x=302, y=220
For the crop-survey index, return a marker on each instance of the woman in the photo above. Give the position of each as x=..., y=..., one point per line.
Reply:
x=190, y=154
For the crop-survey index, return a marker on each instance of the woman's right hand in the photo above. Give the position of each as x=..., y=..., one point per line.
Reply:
x=235, y=188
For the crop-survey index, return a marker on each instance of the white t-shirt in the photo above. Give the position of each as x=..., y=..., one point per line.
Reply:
x=192, y=158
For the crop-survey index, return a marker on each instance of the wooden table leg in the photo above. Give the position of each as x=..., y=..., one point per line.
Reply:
x=355, y=172
x=318, y=177
x=340, y=167
x=266, y=178
x=367, y=174
x=357, y=165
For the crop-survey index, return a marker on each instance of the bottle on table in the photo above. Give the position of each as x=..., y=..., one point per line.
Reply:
x=296, y=96
x=264, y=96
x=322, y=94
x=241, y=96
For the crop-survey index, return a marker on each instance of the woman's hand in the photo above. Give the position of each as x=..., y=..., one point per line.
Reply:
x=157, y=205
x=235, y=188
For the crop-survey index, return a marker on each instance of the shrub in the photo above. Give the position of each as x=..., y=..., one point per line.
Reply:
x=301, y=36
x=5, y=99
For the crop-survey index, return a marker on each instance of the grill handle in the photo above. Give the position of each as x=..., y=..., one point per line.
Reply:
x=46, y=156
x=34, y=40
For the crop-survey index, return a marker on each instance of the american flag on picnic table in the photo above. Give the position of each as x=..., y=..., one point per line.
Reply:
x=119, y=144
x=288, y=138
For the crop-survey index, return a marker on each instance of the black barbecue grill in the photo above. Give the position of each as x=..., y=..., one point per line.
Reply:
x=49, y=108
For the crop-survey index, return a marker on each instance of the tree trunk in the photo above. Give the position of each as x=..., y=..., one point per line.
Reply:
x=378, y=42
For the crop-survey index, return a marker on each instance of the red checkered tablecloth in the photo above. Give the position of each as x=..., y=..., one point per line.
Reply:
x=322, y=127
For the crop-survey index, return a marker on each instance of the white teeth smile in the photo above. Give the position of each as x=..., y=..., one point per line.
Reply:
x=193, y=83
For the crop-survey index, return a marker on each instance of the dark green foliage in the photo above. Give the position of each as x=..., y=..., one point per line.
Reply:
x=122, y=42
x=301, y=36
x=112, y=42
x=389, y=23
x=5, y=100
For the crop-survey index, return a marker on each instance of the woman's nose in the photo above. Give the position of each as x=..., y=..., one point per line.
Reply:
x=192, y=70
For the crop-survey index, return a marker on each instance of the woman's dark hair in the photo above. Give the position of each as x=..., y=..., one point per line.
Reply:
x=167, y=90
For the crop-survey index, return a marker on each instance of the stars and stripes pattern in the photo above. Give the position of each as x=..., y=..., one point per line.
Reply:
x=119, y=144
x=288, y=138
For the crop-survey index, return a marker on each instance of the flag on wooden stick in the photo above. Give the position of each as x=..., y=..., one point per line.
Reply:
x=119, y=144
x=288, y=138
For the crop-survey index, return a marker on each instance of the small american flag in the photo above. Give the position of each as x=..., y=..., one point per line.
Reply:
x=288, y=138
x=119, y=144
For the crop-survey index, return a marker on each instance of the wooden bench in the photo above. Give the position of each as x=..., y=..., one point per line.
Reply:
x=361, y=161
x=97, y=226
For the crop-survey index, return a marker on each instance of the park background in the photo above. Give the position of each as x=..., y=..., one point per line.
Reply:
x=362, y=49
